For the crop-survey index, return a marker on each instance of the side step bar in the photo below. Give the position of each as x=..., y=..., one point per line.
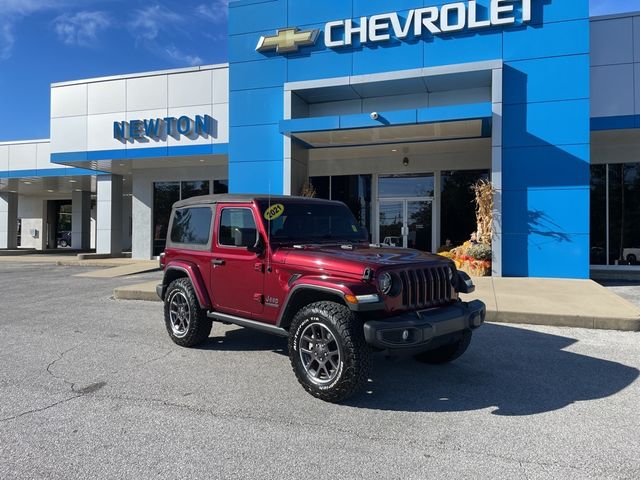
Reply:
x=243, y=322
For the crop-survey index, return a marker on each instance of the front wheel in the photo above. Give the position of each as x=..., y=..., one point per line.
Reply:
x=328, y=351
x=446, y=353
x=187, y=324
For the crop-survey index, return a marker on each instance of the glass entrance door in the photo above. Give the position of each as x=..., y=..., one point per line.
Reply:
x=419, y=224
x=405, y=211
x=406, y=223
x=392, y=223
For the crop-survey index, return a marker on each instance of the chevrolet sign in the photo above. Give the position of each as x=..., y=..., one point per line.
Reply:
x=435, y=20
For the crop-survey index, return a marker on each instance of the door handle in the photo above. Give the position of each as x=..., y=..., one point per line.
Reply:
x=217, y=262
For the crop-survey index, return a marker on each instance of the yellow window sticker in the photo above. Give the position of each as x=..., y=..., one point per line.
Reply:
x=274, y=211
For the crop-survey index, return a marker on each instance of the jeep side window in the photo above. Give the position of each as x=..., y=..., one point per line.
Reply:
x=237, y=228
x=191, y=226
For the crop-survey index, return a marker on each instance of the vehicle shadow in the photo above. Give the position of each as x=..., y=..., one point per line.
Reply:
x=244, y=339
x=513, y=370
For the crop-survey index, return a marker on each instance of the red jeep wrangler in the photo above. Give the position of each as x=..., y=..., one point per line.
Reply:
x=304, y=269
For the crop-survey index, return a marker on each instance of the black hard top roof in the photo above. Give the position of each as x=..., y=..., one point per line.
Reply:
x=242, y=198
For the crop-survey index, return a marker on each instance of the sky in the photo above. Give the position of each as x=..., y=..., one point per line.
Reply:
x=47, y=41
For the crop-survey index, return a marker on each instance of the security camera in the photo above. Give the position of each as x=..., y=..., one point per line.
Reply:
x=374, y=115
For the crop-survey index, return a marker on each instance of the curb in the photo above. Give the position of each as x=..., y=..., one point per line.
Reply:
x=550, y=320
x=522, y=318
x=128, y=294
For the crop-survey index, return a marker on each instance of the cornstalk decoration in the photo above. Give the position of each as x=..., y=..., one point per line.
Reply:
x=308, y=190
x=484, y=191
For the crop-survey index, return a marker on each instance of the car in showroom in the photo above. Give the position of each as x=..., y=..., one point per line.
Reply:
x=631, y=255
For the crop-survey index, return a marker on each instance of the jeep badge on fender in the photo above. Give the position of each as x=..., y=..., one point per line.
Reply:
x=303, y=269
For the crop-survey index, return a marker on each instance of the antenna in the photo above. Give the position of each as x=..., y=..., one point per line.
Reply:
x=269, y=250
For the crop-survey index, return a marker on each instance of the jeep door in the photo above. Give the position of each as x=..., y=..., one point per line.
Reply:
x=236, y=273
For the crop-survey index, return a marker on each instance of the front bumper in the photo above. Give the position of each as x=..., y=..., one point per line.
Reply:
x=426, y=329
x=160, y=291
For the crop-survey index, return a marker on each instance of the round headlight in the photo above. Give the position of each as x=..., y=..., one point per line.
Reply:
x=386, y=283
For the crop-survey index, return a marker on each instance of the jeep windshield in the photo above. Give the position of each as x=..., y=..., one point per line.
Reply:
x=311, y=222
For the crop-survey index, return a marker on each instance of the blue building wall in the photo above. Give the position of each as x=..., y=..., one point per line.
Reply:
x=545, y=150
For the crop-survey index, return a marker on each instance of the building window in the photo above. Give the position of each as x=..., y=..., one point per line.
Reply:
x=405, y=186
x=458, y=216
x=220, y=186
x=194, y=189
x=353, y=190
x=615, y=214
x=165, y=194
x=598, y=251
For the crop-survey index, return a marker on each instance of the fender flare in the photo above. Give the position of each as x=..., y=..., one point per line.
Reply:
x=337, y=290
x=192, y=272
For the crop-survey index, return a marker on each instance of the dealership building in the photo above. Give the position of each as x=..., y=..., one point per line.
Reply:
x=395, y=107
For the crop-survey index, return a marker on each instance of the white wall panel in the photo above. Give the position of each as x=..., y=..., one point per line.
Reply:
x=69, y=134
x=31, y=211
x=636, y=84
x=100, y=131
x=147, y=93
x=346, y=107
x=612, y=41
x=23, y=156
x=4, y=158
x=192, y=88
x=458, y=97
x=43, y=156
x=191, y=93
x=636, y=38
x=107, y=97
x=395, y=102
x=220, y=85
x=612, y=90
x=69, y=101
x=220, y=112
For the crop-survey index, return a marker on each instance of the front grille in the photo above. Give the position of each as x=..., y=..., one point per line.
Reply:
x=425, y=287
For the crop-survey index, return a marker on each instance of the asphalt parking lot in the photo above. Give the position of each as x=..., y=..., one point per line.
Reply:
x=630, y=291
x=91, y=387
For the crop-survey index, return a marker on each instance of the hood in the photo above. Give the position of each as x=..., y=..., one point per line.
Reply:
x=335, y=258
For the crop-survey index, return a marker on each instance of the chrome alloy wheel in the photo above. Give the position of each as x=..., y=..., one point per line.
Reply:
x=320, y=354
x=179, y=314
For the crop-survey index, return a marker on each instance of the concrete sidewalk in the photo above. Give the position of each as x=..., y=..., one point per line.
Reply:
x=133, y=268
x=72, y=260
x=560, y=303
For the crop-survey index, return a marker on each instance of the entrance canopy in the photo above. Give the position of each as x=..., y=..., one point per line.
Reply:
x=426, y=132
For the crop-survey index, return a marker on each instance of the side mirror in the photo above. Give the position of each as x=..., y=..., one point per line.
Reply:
x=259, y=247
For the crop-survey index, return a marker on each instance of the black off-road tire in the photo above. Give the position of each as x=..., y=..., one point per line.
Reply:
x=446, y=353
x=199, y=325
x=355, y=354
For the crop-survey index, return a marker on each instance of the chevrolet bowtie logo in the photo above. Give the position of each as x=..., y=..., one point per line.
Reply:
x=287, y=40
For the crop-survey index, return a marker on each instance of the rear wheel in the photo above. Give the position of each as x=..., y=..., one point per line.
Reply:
x=187, y=324
x=328, y=351
x=446, y=353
